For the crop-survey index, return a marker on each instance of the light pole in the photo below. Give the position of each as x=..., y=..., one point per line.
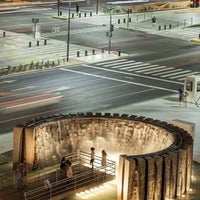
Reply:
x=58, y=4
x=111, y=29
x=128, y=18
x=97, y=7
x=68, y=31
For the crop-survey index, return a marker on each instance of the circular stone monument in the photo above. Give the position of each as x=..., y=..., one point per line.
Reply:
x=154, y=157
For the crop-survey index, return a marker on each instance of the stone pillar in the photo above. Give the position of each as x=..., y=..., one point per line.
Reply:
x=29, y=146
x=17, y=134
x=154, y=177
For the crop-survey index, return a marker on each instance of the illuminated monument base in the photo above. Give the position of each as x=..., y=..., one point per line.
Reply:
x=154, y=157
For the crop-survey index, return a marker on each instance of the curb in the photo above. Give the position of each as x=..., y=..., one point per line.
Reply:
x=196, y=40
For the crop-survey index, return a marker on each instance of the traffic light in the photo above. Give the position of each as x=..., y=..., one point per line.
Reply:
x=111, y=27
x=77, y=9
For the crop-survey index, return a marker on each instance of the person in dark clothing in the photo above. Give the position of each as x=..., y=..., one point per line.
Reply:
x=63, y=164
x=180, y=91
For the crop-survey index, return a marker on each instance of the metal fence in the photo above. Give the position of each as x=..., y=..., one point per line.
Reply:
x=84, y=176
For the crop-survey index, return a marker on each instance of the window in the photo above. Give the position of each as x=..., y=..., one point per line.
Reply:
x=189, y=85
x=198, y=86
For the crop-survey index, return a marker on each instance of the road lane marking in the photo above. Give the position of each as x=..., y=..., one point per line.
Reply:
x=158, y=69
x=8, y=81
x=131, y=74
x=166, y=72
x=24, y=88
x=188, y=74
x=115, y=79
x=175, y=72
x=107, y=62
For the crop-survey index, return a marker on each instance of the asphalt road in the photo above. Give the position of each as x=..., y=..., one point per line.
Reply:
x=83, y=88
x=92, y=87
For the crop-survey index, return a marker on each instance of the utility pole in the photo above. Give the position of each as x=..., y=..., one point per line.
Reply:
x=58, y=4
x=128, y=18
x=68, y=31
x=111, y=29
x=97, y=7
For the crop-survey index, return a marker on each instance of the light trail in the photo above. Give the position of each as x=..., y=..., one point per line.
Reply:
x=24, y=99
x=34, y=102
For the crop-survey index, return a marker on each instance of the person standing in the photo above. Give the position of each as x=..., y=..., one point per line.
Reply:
x=21, y=176
x=92, y=156
x=69, y=172
x=103, y=158
x=62, y=164
x=180, y=91
x=25, y=172
x=153, y=21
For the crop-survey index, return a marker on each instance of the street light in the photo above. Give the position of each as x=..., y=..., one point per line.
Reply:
x=68, y=31
x=97, y=7
x=111, y=29
x=128, y=18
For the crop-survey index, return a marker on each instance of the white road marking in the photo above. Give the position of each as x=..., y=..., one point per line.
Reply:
x=180, y=74
x=115, y=79
x=107, y=62
x=24, y=88
x=9, y=81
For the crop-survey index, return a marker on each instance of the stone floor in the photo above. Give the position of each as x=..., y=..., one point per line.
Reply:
x=8, y=192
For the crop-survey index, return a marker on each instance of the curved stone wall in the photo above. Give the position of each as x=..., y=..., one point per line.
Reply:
x=155, y=157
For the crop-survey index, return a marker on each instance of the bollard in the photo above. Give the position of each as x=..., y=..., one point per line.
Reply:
x=159, y=28
x=79, y=14
x=129, y=19
x=4, y=34
x=102, y=50
x=119, y=53
x=86, y=53
x=170, y=26
x=85, y=14
x=29, y=44
x=93, y=51
x=45, y=42
x=38, y=43
x=78, y=53
x=60, y=13
x=72, y=15
x=90, y=14
x=118, y=21
x=164, y=27
x=199, y=36
x=124, y=20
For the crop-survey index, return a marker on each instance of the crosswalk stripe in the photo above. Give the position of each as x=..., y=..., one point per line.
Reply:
x=57, y=31
x=164, y=71
x=140, y=66
x=113, y=61
x=192, y=73
x=131, y=65
x=180, y=74
x=176, y=71
x=157, y=69
x=117, y=65
x=147, y=68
